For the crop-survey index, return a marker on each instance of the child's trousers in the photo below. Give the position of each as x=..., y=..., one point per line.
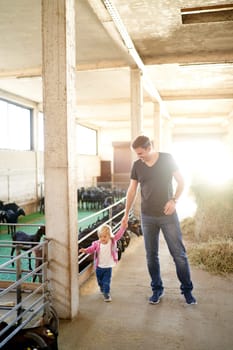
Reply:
x=104, y=275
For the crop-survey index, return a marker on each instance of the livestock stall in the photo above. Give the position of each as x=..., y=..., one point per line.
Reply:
x=27, y=317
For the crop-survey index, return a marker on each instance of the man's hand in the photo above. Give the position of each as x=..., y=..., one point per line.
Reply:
x=124, y=221
x=170, y=207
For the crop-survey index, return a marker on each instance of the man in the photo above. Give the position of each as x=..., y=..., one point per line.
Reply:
x=154, y=171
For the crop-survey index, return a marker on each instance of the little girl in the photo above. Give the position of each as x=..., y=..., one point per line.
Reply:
x=105, y=256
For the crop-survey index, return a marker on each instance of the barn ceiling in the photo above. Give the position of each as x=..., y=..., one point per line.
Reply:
x=184, y=46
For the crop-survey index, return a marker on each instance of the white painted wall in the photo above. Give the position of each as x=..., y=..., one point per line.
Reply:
x=18, y=176
x=88, y=168
x=107, y=137
x=22, y=174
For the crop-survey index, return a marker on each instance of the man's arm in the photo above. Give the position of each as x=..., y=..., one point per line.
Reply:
x=180, y=184
x=130, y=197
x=170, y=206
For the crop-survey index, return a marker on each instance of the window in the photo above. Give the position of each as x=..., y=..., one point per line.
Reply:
x=40, y=131
x=15, y=130
x=86, y=140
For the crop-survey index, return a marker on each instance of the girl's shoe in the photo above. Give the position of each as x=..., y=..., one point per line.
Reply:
x=107, y=297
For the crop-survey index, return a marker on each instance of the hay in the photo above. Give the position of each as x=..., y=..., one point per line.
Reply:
x=213, y=217
x=210, y=232
x=213, y=256
x=188, y=228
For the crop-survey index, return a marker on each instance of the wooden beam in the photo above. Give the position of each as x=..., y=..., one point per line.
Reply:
x=34, y=72
x=210, y=8
x=207, y=17
x=22, y=73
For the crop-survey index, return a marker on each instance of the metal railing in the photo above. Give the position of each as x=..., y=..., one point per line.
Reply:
x=110, y=215
x=22, y=303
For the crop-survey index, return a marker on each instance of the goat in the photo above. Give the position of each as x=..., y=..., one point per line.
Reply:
x=135, y=226
x=39, y=337
x=95, y=197
x=11, y=217
x=20, y=236
x=1, y=211
x=2, y=216
x=9, y=214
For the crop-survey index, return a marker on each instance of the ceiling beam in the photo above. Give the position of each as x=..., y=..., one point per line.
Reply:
x=21, y=72
x=111, y=20
x=204, y=115
x=191, y=95
x=166, y=97
x=37, y=71
x=192, y=58
x=209, y=8
x=101, y=65
x=206, y=14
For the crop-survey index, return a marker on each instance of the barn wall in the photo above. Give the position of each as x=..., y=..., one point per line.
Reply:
x=18, y=176
x=88, y=168
x=22, y=176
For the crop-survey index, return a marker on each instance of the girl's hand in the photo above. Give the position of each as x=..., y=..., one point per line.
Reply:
x=82, y=250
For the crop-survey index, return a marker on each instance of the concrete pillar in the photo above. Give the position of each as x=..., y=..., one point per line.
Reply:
x=136, y=103
x=136, y=117
x=157, y=126
x=58, y=40
x=37, y=155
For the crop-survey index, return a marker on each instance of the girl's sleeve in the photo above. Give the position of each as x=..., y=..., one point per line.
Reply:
x=119, y=234
x=91, y=248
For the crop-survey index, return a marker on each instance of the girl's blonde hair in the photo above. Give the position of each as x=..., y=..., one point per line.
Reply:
x=105, y=229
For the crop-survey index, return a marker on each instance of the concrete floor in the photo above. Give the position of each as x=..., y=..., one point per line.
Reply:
x=129, y=322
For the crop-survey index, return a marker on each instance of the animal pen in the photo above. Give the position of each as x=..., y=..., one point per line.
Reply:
x=27, y=316
x=26, y=313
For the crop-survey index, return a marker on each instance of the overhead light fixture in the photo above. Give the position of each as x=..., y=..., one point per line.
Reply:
x=120, y=25
x=207, y=14
x=148, y=86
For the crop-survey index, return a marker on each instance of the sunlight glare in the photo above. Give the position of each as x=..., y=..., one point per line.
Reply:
x=202, y=161
x=205, y=161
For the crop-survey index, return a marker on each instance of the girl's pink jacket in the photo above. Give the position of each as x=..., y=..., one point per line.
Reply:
x=95, y=247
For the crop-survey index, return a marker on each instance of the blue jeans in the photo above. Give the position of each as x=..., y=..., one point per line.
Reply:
x=104, y=275
x=169, y=224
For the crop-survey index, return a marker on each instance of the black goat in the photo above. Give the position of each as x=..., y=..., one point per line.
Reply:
x=40, y=337
x=11, y=217
x=2, y=212
x=135, y=226
x=9, y=213
x=2, y=218
x=20, y=236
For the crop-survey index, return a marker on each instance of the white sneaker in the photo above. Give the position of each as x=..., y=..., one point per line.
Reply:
x=107, y=297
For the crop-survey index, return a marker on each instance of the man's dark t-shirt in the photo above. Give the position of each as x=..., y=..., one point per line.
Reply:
x=155, y=182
